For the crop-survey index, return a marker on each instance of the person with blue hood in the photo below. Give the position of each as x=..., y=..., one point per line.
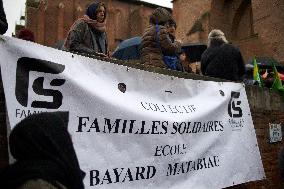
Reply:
x=88, y=34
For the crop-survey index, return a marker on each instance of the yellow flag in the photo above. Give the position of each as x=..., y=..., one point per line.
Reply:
x=256, y=75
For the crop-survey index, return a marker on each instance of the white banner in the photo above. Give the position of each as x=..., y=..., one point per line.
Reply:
x=132, y=128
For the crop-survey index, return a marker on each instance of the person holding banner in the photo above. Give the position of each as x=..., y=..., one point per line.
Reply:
x=44, y=153
x=88, y=34
x=3, y=20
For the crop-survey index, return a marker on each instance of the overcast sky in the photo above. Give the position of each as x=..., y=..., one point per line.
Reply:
x=15, y=8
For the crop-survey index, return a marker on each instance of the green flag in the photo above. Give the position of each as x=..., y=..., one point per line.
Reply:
x=277, y=83
x=256, y=75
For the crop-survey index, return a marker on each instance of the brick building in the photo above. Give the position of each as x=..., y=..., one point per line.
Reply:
x=51, y=20
x=256, y=26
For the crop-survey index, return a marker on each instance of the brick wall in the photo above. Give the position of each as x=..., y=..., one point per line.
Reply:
x=236, y=19
x=268, y=22
x=256, y=26
x=266, y=107
x=186, y=14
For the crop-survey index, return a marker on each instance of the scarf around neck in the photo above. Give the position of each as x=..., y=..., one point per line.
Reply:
x=94, y=24
x=101, y=27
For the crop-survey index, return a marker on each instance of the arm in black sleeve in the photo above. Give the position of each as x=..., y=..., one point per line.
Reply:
x=3, y=20
x=204, y=62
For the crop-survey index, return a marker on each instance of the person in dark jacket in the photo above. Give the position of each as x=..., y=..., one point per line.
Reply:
x=44, y=153
x=155, y=44
x=3, y=20
x=221, y=59
x=88, y=34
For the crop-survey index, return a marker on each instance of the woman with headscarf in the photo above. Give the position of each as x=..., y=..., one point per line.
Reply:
x=3, y=20
x=44, y=153
x=88, y=34
x=221, y=59
x=156, y=41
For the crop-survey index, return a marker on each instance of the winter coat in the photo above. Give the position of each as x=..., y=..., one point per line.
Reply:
x=3, y=20
x=41, y=184
x=152, y=52
x=83, y=39
x=223, y=61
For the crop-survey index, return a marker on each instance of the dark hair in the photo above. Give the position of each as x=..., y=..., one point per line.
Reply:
x=171, y=22
x=93, y=8
x=26, y=34
x=160, y=16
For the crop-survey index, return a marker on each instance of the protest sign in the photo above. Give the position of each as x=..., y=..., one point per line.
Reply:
x=132, y=128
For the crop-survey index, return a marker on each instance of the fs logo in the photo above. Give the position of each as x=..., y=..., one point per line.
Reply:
x=234, y=106
x=24, y=66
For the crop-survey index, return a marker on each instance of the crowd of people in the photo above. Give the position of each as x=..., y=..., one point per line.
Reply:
x=159, y=46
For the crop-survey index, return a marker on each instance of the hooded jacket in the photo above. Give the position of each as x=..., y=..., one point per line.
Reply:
x=152, y=52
